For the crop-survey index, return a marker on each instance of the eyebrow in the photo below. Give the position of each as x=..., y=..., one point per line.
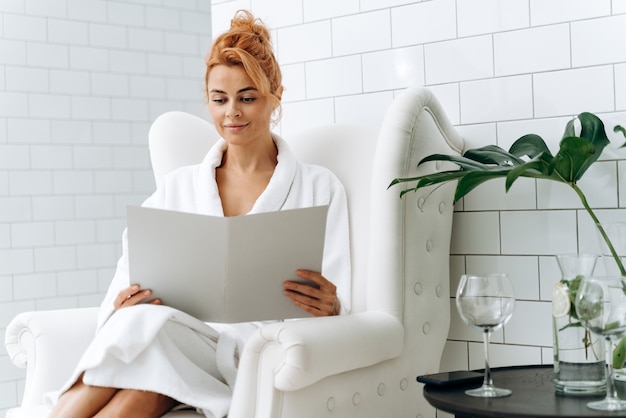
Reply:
x=243, y=90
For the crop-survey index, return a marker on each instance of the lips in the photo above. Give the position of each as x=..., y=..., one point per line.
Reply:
x=235, y=125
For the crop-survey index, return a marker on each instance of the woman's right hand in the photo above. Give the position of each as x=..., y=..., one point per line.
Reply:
x=133, y=295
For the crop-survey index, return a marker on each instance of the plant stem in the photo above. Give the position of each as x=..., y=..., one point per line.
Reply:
x=583, y=199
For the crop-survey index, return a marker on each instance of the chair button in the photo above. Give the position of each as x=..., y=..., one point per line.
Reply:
x=404, y=384
x=426, y=328
x=330, y=404
x=417, y=288
x=429, y=245
x=420, y=202
x=381, y=389
x=438, y=291
x=356, y=399
x=442, y=207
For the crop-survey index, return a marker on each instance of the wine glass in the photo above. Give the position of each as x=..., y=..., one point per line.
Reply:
x=601, y=307
x=486, y=302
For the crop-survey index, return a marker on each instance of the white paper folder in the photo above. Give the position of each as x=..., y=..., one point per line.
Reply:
x=225, y=269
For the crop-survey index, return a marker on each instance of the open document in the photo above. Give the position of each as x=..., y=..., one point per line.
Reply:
x=225, y=269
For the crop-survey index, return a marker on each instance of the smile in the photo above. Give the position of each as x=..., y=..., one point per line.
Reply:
x=235, y=126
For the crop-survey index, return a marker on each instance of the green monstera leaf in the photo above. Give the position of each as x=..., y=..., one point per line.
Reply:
x=528, y=157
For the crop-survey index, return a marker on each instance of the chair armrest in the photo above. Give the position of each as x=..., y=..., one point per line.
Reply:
x=320, y=347
x=49, y=344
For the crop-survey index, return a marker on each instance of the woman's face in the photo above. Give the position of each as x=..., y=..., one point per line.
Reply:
x=240, y=113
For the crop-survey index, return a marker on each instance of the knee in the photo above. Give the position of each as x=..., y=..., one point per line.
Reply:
x=123, y=404
x=138, y=404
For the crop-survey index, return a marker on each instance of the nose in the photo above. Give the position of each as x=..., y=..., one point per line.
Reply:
x=233, y=110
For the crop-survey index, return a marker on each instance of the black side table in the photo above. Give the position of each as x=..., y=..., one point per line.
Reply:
x=533, y=396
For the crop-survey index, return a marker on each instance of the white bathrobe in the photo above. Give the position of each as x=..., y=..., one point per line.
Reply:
x=160, y=349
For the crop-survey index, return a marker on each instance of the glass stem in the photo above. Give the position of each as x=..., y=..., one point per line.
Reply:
x=486, y=337
x=611, y=393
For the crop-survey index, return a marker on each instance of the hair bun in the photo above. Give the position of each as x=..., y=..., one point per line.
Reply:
x=245, y=22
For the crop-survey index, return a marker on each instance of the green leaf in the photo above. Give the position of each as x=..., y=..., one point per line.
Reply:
x=474, y=179
x=619, y=354
x=620, y=129
x=463, y=162
x=440, y=177
x=428, y=180
x=431, y=178
x=575, y=155
x=536, y=169
x=530, y=145
x=492, y=154
x=592, y=130
x=570, y=130
x=571, y=325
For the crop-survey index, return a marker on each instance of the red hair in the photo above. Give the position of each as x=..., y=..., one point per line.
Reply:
x=247, y=43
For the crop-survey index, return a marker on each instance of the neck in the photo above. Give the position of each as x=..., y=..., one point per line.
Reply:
x=258, y=156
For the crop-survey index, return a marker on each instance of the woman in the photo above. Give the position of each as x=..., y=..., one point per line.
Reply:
x=147, y=359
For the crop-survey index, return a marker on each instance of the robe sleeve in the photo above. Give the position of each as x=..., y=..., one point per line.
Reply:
x=121, y=279
x=336, y=265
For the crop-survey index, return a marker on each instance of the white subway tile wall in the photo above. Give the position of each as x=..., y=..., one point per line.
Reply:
x=80, y=83
x=477, y=17
x=353, y=34
x=393, y=68
x=334, y=77
x=499, y=72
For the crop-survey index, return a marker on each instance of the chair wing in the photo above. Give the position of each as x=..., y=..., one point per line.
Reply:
x=177, y=139
x=366, y=364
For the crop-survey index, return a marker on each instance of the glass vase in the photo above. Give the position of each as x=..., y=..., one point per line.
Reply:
x=616, y=233
x=579, y=364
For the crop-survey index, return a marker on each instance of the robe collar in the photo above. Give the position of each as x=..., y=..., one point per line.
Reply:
x=273, y=197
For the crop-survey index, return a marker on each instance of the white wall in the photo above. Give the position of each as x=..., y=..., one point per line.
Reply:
x=501, y=68
x=80, y=81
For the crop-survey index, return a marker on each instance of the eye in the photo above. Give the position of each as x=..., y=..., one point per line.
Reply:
x=248, y=99
x=218, y=100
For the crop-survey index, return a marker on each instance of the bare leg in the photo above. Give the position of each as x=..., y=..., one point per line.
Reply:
x=136, y=404
x=82, y=401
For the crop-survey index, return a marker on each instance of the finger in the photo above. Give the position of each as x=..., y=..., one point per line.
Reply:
x=317, y=306
x=315, y=311
x=131, y=296
x=328, y=290
x=316, y=278
x=309, y=289
x=138, y=297
x=322, y=298
x=124, y=294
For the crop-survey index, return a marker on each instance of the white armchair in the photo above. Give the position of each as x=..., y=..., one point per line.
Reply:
x=358, y=365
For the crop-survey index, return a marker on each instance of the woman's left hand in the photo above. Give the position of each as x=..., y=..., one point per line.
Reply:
x=319, y=301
